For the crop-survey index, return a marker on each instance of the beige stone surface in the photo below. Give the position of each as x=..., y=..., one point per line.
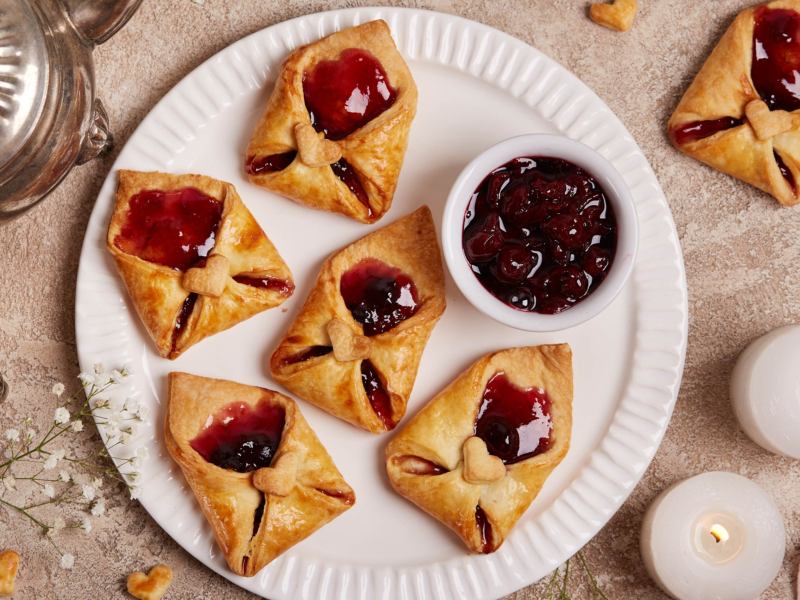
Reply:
x=741, y=249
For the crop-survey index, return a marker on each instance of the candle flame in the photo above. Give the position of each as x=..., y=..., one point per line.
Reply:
x=719, y=533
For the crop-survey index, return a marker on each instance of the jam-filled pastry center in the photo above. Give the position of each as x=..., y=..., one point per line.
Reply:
x=266, y=282
x=347, y=174
x=378, y=296
x=514, y=422
x=343, y=95
x=485, y=530
x=241, y=438
x=175, y=228
x=416, y=465
x=377, y=394
x=307, y=354
x=698, y=130
x=776, y=57
x=260, y=165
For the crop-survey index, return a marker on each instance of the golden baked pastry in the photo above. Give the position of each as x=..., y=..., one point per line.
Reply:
x=355, y=346
x=192, y=257
x=150, y=586
x=335, y=129
x=262, y=478
x=618, y=15
x=477, y=455
x=741, y=113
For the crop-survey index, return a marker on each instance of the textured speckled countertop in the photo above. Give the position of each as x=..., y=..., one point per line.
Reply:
x=741, y=251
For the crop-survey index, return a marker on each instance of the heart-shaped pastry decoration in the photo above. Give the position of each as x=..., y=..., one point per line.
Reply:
x=280, y=478
x=480, y=467
x=347, y=344
x=9, y=564
x=618, y=15
x=210, y=279
x=151, y=586
x=315, y=151
x=768, y=123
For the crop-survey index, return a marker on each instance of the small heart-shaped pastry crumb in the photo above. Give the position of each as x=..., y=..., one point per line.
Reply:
x=210, y=279
x=151, y=586
x=480, y=467
x=314, y=149
x=768, y=123
x=280, y=478
x=618, y=16
x=9, y=564
x=347, y=344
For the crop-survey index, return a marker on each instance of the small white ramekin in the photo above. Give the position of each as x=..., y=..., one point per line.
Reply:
x=617, y=193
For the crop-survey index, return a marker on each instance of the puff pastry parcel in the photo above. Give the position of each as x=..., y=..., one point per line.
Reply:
x=477, y=455
x=355, y=346
x=335, y=129
x=192, y=257
x=262, y=478
x=740, y=114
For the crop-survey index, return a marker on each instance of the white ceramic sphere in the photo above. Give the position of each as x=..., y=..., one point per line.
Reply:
x=765, y=391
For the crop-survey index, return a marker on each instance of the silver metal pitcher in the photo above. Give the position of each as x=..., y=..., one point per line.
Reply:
x=50, y=119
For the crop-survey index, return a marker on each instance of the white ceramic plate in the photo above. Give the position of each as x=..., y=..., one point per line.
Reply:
x=476, y=86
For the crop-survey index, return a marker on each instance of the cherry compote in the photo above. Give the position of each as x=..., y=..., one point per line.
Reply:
x=698, y=130
x=241, y=438
x=776, y=57
x=514, y=422
x=378, y=296
x=175, y=228
x=345, y=94
x=273, y=284
x=540, y=234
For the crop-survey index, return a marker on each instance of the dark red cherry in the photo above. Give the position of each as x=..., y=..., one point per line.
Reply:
x=483, y=238
x=241, y=438
x=521, y=298
x=596, y=261
x=776, y=57
x=514, y=263
x=496, y=183
x=514, y=422
x=378, y=296
x=175, y=228
x=568, y=230
x=345, y=94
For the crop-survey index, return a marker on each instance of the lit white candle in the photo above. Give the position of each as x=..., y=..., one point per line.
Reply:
x=716, y=536
x=765, y=391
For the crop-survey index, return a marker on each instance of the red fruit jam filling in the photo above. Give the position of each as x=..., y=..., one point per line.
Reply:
x=784, y=169
x=377, y=394
x=274, y=284
x=485, y=529
x=175, y=228
x=416, y=465
x=378, y=296
x=345, y=94
x=514, y=422
x=183, y=318
x=344, y=171
x=307, y=354
x=697, y=130
x=241, y=438
x=540, y=234
x=258, y=165
x=776, y=57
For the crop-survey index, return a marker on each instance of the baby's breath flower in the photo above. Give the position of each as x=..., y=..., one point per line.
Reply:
x=30, y=434
x=99, y=369
x=12, y=435
x=142, y=412
x=97, y=482
x=58, y=388
x=131, y=405
x=67, y=561
x=135, y=491
x=77, y=426
x=86, y=379
x=61, y=416
x=88, y=492
x=86, y=525
x=64, y=476
x=51, y=462
x=48, y=491
x=116, y=376
x=99, y=508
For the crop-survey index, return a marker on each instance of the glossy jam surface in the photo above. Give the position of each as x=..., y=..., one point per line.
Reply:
x=697, y=130
x=776, y=57
x=485, y=529
x=514, y=422
x=241, y=438
x=378, y=396
x=258, y=165
x=183, y=318
x=268, y=283
x=784, y=169
x=175, y=228
x=307, y=354
x=540, y=234
x=378, y=296
x=345, y=94
x=416, y=465
x=344, y=171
